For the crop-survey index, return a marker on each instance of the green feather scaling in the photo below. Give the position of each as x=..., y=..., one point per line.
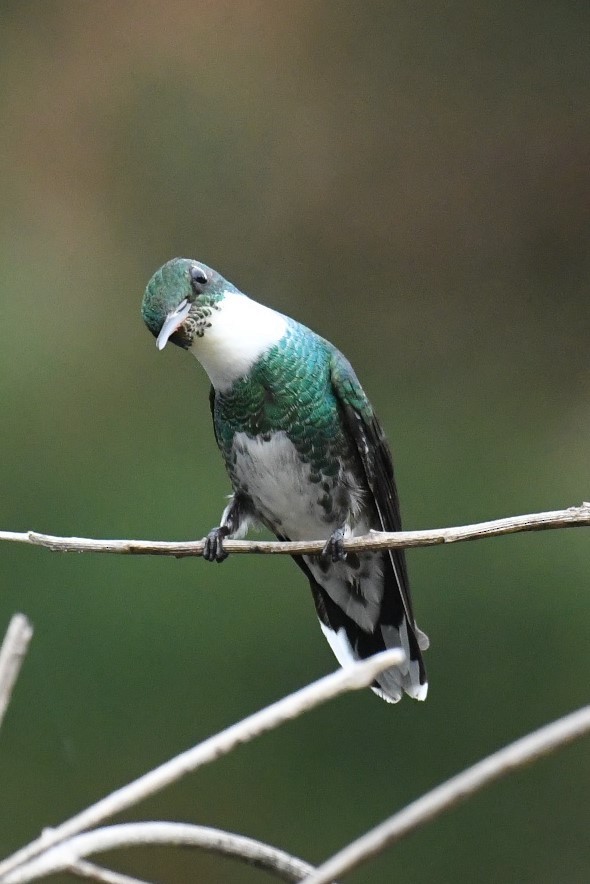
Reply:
x=291, y=381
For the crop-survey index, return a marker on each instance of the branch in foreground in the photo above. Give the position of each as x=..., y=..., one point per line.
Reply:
x=456, y=790
x=12, y=654
x=574, y=517
x=353, y=677
x=84, y=869
x=68, y=854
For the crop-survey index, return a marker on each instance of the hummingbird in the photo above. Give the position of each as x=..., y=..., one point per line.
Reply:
x=306, y=456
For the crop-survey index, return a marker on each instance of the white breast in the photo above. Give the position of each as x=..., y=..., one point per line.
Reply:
x=240, y=332
x=278, y=484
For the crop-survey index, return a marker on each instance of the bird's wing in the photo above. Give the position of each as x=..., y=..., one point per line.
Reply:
x=212, y=407
x=375, y=456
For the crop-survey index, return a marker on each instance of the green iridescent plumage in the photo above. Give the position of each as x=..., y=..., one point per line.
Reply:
x=293, y=380
x=306, y=456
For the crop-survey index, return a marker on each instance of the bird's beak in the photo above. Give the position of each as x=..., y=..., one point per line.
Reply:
x=172, y=322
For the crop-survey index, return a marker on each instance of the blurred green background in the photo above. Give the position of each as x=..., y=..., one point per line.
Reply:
x=410, y=179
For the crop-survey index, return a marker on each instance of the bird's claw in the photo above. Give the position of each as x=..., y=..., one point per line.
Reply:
x=334, y=548
x=213, y=550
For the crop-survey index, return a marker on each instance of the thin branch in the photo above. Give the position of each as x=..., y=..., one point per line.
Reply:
x=12, y=654
x=66, y=855
x=456, y=790
x=573, y=517
x=84, y=869
x=355, y=676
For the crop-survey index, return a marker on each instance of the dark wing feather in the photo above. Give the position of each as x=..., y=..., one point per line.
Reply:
x=375, y=456
x=212, y=407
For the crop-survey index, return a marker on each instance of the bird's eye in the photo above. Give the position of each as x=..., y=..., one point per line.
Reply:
x=198, y=278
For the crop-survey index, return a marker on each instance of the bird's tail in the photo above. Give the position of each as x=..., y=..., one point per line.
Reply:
x=394, y=628
x=350, y=643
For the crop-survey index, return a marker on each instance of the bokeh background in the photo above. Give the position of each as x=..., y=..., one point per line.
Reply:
x=410, y=179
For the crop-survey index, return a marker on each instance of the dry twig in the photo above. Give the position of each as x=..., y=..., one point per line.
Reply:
x=456, y=790
x=12, y=654
x=83, y=869
x=353, y=677
x=67, y=856
x=573, y=517
x=63, y=848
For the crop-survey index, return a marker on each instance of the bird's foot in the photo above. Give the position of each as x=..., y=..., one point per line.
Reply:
x=213, y=550
x=334, y=548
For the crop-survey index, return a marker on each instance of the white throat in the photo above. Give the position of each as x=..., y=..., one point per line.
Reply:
x=241, y=331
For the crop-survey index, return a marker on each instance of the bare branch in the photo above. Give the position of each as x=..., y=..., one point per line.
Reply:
x=456, y=790
x=68, y=854
x=353, y=677
x=573, y=517
x=84, y=869
x=12, y=654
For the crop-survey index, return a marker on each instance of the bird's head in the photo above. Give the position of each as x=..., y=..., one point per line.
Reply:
x=193, y=306
x=180, y=300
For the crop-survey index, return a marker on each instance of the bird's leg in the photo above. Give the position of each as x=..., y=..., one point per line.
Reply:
x=233, y=521
x=213, y=550
x=334, y=548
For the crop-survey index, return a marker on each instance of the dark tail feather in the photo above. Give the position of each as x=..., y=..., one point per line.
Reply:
x=349, y=642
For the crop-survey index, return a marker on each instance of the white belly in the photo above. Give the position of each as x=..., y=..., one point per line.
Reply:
x=279, y=486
